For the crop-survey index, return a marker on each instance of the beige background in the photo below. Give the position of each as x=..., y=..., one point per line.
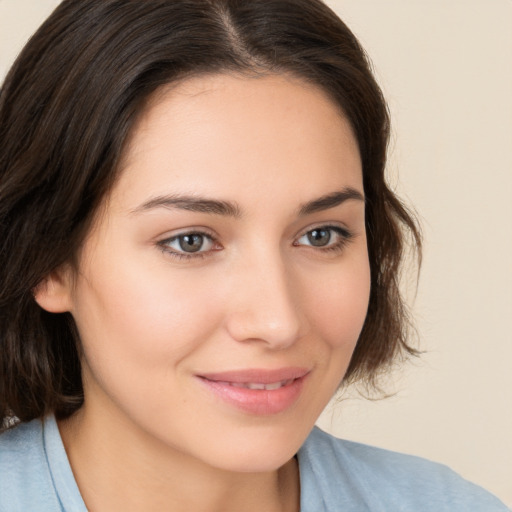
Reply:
x=446, y=68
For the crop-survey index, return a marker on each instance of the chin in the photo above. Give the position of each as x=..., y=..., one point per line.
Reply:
x=255, y=462
x=253, y=450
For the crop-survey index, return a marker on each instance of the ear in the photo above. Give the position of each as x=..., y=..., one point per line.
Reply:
x=53, y=293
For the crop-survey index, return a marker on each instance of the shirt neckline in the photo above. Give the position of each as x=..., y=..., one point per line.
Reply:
x=63, y=479
x=67, y=489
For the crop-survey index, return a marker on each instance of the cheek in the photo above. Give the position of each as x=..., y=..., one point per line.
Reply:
x=141, y=318
x=339, y=303
x=336, y=306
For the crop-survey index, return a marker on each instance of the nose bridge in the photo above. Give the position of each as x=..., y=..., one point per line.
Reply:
x=264, y=306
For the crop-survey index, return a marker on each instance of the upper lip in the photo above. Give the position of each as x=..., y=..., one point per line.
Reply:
x=258, y=375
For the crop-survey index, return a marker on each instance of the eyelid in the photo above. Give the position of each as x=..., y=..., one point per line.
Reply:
x=163, y=243
x=189, y=230
x=339, y=228
x=345, y=236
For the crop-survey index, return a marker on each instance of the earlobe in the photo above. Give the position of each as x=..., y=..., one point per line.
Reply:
x=53, y=293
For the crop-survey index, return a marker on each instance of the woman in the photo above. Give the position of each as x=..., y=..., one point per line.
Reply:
x=199, y=248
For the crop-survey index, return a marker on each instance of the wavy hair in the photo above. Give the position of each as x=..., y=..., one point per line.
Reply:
x=68, y=105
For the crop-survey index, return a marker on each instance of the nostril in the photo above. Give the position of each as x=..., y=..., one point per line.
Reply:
x=263, y=307
x=276, y=328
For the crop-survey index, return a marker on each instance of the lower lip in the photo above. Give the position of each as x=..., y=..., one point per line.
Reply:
x=262, y=402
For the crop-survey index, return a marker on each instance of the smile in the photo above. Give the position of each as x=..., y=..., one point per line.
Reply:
x=259, y=385
x=256, y=391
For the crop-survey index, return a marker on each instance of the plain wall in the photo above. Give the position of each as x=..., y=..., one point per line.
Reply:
x=446, y=69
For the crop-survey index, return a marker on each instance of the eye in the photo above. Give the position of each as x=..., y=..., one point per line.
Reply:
x=188, y=244
x=325, y=237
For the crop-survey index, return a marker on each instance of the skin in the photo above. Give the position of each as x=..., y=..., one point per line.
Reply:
x=259, y=295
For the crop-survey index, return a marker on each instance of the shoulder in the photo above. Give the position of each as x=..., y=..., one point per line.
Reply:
x=21, y=448
x=25, y=480
x=363, y=477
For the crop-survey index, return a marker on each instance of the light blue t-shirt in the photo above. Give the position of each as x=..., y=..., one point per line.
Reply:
x=335, y=476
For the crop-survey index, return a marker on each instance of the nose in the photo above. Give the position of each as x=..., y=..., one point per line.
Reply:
x=263, y=306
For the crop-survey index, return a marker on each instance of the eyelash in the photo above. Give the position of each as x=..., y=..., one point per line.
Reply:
x=344, y=235
x=164, y=246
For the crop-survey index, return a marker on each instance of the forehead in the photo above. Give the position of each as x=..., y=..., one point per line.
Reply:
x=218, y=131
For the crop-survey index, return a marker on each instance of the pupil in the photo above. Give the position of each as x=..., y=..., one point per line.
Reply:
x=191, y=243
x=319, y=237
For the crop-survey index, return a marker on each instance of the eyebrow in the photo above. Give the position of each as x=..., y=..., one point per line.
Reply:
x=192, y=204
x=232, y=209
x=330, y=201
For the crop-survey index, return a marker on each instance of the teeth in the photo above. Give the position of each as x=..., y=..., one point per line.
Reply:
x=276, y=385
x=250, y=385
x=260, y=386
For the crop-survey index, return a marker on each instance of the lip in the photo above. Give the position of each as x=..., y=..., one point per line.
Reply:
x=262, y=402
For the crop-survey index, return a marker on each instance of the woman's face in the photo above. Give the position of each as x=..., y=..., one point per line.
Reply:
x=222, y=289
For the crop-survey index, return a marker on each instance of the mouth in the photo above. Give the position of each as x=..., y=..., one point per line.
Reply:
x=259, y=385
x=257, y=391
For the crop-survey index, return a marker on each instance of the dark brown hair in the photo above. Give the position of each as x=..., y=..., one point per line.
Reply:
x=66, y=110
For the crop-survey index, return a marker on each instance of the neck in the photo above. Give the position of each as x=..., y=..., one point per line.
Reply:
x=118, y=468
